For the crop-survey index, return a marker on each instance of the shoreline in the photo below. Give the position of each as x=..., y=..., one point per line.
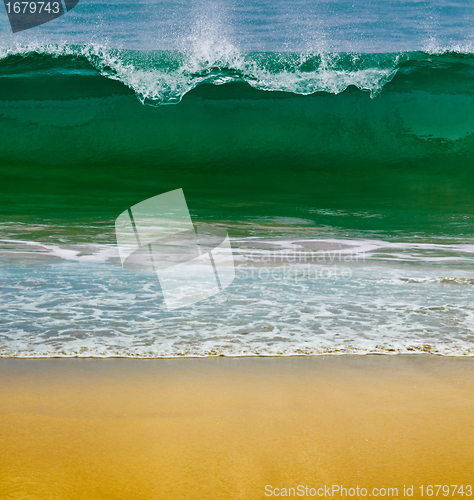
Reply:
x=421, y=352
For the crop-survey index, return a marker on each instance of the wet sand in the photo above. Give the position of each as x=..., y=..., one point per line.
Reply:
x=222, y=428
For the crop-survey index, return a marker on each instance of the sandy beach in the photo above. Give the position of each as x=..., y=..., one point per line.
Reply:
x=246, y=428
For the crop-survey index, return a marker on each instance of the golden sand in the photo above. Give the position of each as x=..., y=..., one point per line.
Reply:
x=228, y=428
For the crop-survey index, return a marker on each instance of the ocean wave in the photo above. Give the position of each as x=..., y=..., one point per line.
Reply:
x=250, y=151
x=165, y=77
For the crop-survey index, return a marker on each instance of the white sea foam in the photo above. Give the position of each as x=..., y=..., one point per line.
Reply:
x=78, y=252
x=81, y=305
x=261, y=250
x=164, y=78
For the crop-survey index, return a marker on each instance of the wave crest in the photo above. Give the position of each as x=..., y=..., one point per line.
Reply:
x=164, y=77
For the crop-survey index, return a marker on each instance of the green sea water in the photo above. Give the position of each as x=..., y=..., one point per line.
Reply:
x=75, y=142
x=371, y=152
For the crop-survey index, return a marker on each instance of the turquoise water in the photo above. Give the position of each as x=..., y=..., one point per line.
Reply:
x=333, y=144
